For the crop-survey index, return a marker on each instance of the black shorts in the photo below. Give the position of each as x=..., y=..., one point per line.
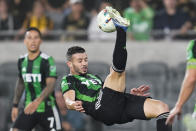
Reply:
x=112, y=107
x=48, y=120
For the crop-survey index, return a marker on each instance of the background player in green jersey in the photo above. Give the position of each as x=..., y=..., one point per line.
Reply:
x=107, y=102
x=37, y=76
x=188, y=83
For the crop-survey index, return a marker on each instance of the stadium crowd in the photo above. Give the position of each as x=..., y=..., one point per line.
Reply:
x=76, y=19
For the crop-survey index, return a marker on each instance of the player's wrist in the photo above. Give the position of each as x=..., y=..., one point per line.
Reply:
x=178, y=106
x=38, y=100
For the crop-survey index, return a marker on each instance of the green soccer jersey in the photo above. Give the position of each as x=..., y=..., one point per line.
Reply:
x=34, y=74
x=191, y=55
x=86, y=86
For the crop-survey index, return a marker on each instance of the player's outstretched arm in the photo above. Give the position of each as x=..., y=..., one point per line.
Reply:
x=50, y=85
x=70, y=102
x=187, y=88
x=17, y=95
x=141, y=91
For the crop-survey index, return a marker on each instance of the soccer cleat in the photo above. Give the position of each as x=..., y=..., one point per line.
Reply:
x=117, y=19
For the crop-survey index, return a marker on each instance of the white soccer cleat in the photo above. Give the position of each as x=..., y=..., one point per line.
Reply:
x=117, y=19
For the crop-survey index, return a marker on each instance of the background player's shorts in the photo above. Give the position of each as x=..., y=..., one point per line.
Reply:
x=48, y=120
x=112, y=107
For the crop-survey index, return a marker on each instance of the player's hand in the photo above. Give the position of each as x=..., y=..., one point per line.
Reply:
x=14, y=113
x=175, y=111
x=141, y=91
x=78, y=106
x=32, y=107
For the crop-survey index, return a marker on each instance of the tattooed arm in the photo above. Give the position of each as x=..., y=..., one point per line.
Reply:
x=50, y=85
x=17, y=95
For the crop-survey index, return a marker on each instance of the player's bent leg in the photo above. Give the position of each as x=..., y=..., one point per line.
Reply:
x=159, y=110
x=115, y=81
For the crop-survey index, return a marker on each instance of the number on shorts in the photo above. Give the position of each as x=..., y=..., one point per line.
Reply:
x=51, y=119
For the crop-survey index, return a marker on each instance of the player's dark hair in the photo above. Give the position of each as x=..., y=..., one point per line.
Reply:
x=73, y=50
x=34, y=29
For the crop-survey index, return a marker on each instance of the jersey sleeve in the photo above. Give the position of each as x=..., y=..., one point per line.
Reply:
x=19, y=68
x=191, y=55
x=51, y=68
x=66, y=85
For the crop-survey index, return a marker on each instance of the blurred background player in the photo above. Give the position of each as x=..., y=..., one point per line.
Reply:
x=188, y=84
x=37, y=76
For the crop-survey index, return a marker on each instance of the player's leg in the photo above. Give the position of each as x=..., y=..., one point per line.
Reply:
x=24, y=122
x=143, y=108
x=50, y=120
x=159, y=110
x=116, y=79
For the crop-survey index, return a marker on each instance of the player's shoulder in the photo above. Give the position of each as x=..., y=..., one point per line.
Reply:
x=191, y=49
x=67, y=77
x=22, y=57
x=45, y=56
x=191, y=45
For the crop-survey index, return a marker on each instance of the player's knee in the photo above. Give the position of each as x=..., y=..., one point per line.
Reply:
x=162, y=108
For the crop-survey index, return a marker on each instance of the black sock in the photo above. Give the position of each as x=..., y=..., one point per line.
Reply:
x=120, y=51
x=161, y=119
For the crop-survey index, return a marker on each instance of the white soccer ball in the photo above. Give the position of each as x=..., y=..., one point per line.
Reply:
x=105, y=22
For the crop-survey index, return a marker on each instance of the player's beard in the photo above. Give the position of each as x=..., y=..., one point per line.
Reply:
x=79, y=71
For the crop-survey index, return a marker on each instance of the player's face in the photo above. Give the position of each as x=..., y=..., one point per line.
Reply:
x=79, y=63
x=32, y=41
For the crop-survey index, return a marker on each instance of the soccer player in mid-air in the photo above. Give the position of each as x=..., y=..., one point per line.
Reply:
x=37, y=76
x=107, y=102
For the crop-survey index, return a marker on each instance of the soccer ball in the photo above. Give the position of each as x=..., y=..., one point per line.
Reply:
x=105, y=22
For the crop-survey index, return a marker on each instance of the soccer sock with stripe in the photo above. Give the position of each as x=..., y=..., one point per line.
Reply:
x=120, y=51
x=161, y=119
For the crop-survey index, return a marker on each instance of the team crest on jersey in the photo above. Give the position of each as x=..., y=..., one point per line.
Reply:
x=24, y=69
